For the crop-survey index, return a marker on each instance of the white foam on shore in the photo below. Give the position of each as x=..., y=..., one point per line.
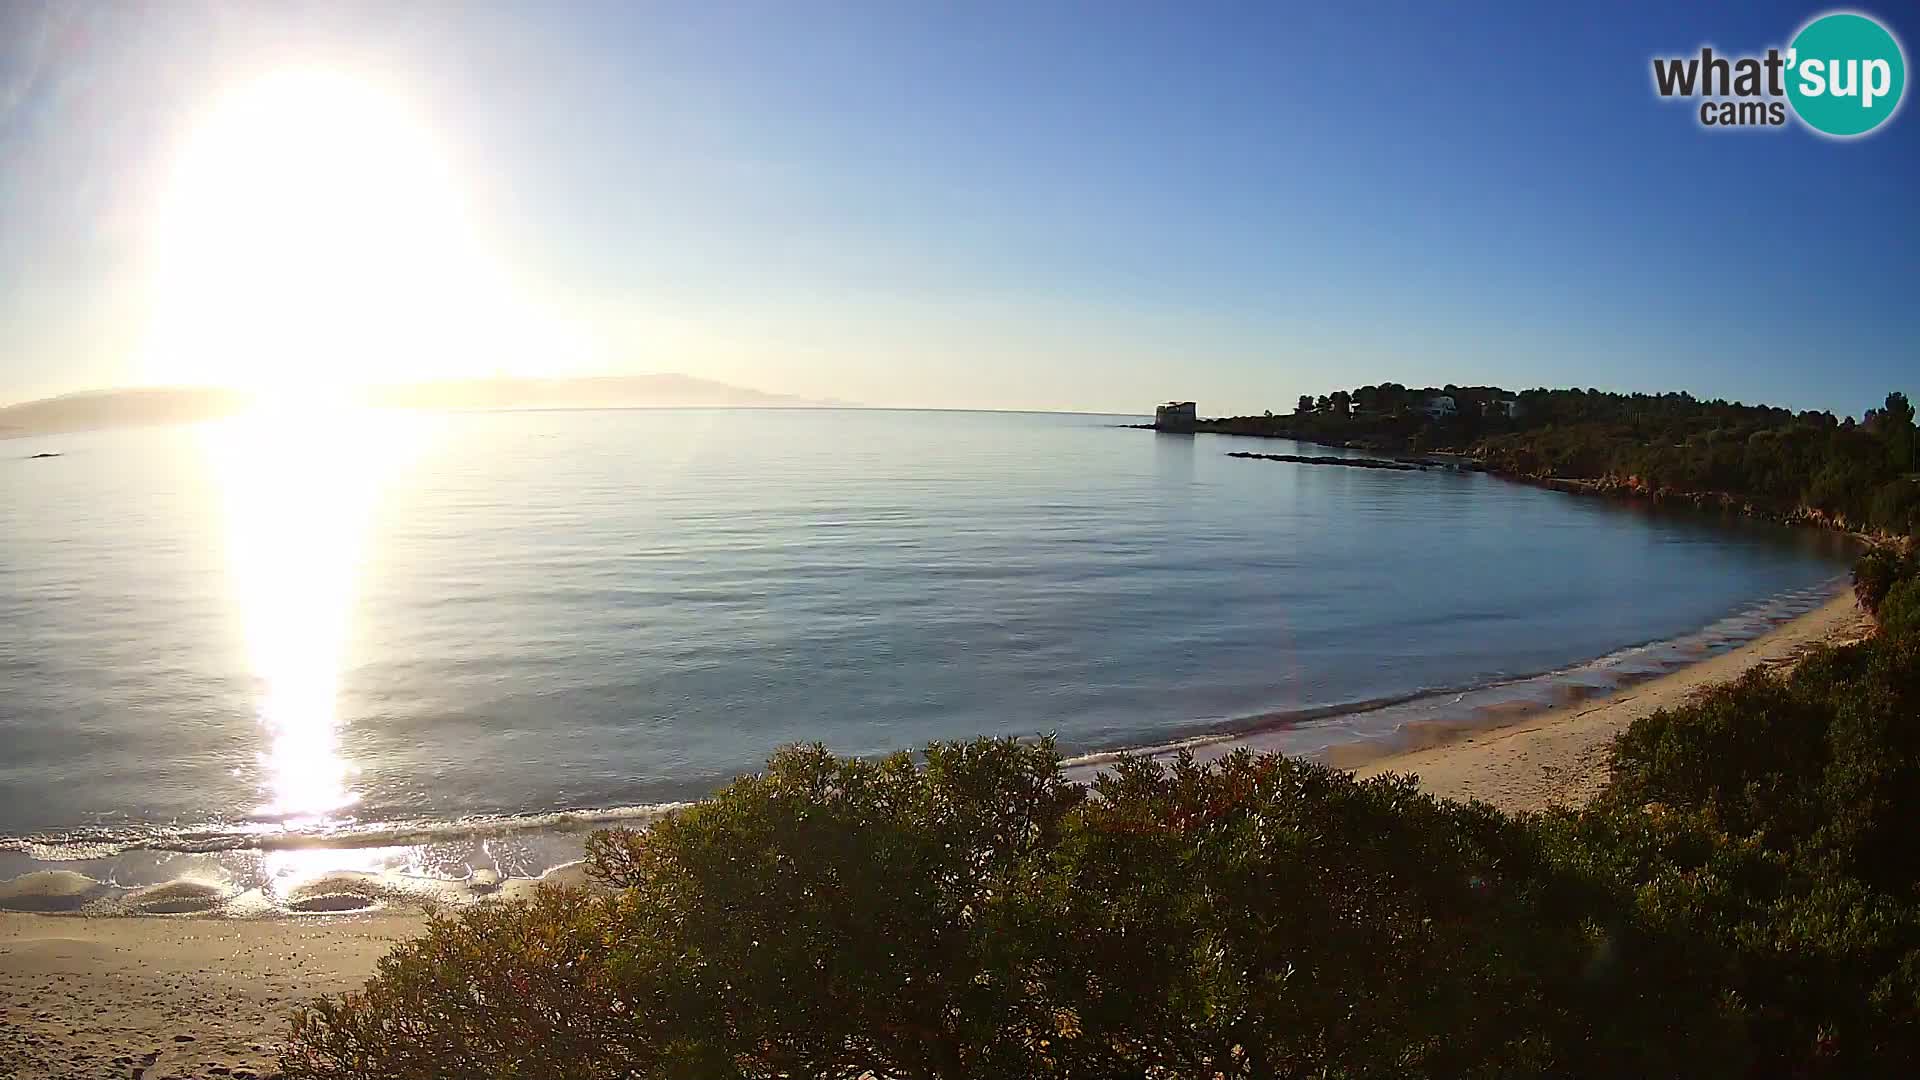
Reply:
x=341, y=892
x=90, y=843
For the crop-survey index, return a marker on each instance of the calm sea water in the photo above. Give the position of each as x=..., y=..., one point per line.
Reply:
x=219, y=638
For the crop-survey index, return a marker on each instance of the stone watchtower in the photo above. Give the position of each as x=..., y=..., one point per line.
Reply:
x=1175, y=416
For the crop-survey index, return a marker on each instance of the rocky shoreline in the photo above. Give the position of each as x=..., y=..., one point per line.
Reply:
x=1350, y=462
x=1633, y=488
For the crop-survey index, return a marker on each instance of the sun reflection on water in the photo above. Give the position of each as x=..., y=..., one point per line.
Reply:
x=299, y=485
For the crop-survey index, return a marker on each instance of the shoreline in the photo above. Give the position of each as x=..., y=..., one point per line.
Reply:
x=159, y=996
x=1356, y=734
x=1559, y=757
x=367, y=874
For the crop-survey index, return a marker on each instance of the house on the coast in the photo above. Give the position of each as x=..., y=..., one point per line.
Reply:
x=1507, y=407
x=1175, y=416
x=1439, y=405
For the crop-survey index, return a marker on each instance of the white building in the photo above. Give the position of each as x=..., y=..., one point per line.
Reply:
x=1439, y=405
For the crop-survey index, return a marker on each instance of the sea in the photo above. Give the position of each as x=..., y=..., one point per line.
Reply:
x=300, y=661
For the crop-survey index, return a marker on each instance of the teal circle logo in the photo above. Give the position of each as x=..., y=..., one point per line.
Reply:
x=1845, y=74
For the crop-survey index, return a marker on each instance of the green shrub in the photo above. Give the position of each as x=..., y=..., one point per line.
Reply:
x=977, y=916
x=1824, y=765
x=1745, y=753
x=1877, y=571
x=1813, y=969
x=514, y=990
x=1870, y=787
x=1900, y=610
x=1268, y=917
x=863, y=915
x=1768, y=828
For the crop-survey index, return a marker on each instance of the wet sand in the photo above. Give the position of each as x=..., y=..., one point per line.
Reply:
x=1559, y=757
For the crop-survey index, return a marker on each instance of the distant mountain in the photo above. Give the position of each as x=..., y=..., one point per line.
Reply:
x=117, y=408
x=608, y=392
x=187, y=404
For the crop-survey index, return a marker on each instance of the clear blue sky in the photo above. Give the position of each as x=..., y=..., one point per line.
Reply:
x=1037, y=205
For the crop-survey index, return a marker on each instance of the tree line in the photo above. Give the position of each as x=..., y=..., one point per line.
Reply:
x=1859, y=473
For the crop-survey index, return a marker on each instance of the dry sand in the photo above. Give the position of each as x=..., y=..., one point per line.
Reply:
x=171, y=996
x=1559, y=758
x=162, y=997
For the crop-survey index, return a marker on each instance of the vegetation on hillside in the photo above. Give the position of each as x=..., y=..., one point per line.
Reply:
x=1741, y=901
x=1862, y=475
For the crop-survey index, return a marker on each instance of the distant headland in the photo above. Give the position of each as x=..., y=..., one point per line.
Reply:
x=1760, y=460
x=138, y=406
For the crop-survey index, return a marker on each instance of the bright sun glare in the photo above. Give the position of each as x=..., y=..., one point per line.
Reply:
x=299, y=491
x=314, y=237
x=313, y=240
x=300, y=485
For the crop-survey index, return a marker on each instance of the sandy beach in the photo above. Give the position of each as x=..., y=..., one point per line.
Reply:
x=161, y=997
x=171, y=997
x=1559, y=757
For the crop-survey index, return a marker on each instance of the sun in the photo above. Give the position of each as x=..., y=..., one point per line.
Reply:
x=312, y=237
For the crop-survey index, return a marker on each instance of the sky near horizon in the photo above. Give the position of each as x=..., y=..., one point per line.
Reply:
x=985, y=205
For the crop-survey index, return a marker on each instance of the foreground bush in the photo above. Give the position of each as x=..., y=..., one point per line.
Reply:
x=1900, y=609
x=1771, y=826
x=1879, y=570
x=1823, y=766
x=976, y=916
x=514, y=990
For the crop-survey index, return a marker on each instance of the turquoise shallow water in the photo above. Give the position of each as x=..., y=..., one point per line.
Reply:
x=373, y=633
